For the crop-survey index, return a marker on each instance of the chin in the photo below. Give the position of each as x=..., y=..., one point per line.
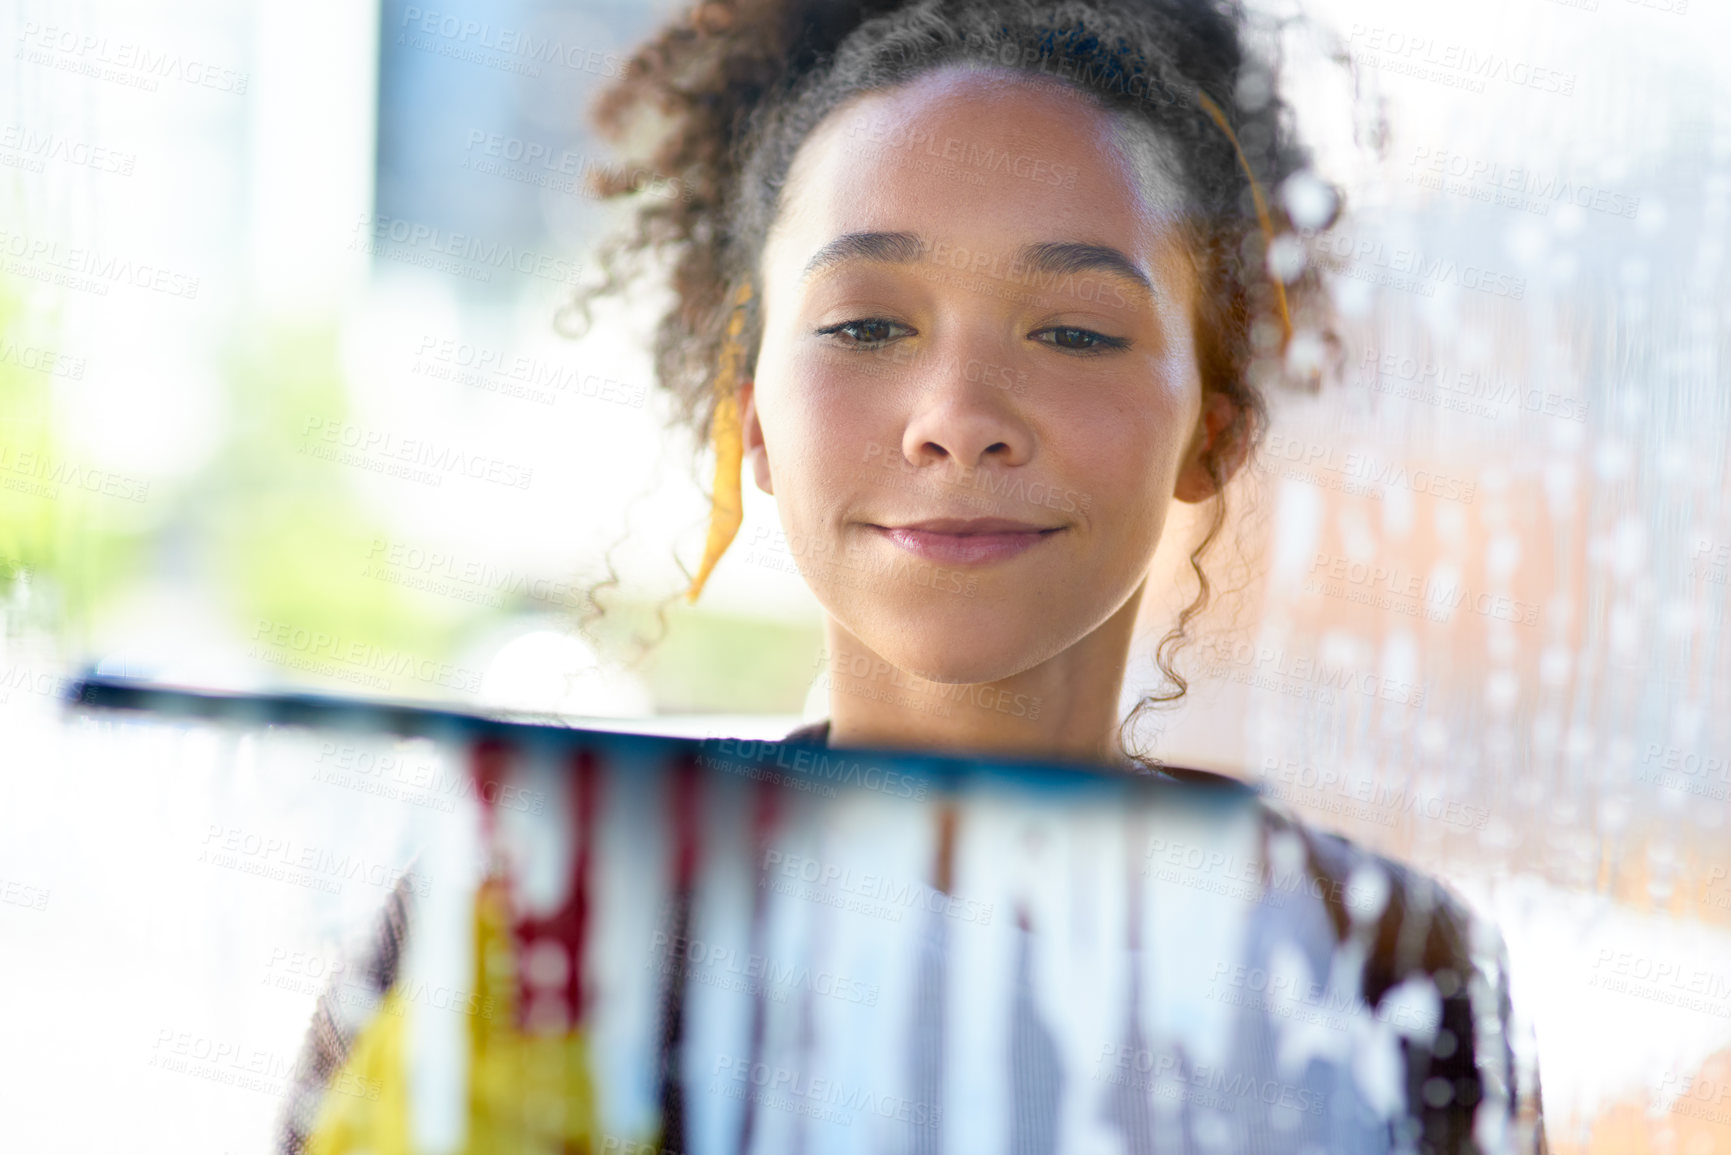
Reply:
x=966, y=643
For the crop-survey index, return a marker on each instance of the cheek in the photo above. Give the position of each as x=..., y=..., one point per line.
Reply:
x=1129, y=450
x=820, y=429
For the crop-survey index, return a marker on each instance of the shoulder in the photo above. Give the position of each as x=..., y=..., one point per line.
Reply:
x=813, y=733
x=1433, y=970
x=356, y=989
x=1416, y=923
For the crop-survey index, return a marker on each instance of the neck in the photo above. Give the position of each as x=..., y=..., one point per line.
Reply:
x=1065, y=708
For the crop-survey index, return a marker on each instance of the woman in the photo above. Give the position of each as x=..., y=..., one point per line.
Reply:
x=999, y=296
x=990, y=284
x=990, y=287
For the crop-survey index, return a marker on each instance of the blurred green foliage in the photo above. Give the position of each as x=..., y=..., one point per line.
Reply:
x=287, y=533
x=77, y=546
x=703, y=662
x=276, y=539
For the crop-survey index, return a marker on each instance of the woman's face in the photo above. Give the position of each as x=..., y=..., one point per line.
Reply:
x=977, y=391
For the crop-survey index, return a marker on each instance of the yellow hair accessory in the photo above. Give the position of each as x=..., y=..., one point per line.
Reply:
x=727, y=437
x=1262, y=217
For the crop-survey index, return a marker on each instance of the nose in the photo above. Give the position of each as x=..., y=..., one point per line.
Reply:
x=963, y=410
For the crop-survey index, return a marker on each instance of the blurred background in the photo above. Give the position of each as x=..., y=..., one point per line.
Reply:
x=283, y=404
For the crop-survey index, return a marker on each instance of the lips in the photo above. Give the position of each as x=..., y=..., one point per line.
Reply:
x=967, y=541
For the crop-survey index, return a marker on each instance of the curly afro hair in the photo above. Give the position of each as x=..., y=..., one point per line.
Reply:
x=720, y=100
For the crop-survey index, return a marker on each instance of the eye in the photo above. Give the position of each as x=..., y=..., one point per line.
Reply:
x=1075, y=340
x=866, y=332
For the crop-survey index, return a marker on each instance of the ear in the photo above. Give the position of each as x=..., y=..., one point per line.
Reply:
x=1213, y=435
x=751, y=429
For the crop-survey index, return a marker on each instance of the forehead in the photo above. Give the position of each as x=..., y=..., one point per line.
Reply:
x=968, y=153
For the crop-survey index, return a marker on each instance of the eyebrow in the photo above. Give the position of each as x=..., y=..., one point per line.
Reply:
x=1050, y=257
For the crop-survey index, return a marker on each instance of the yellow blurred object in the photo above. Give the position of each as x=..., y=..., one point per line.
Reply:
x=529, y=1093
x=1262, y=217
x=365, y=1105
x=727, y=437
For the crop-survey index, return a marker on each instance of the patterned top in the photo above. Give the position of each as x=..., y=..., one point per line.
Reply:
x=1423, y=938
x=1424, y=932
